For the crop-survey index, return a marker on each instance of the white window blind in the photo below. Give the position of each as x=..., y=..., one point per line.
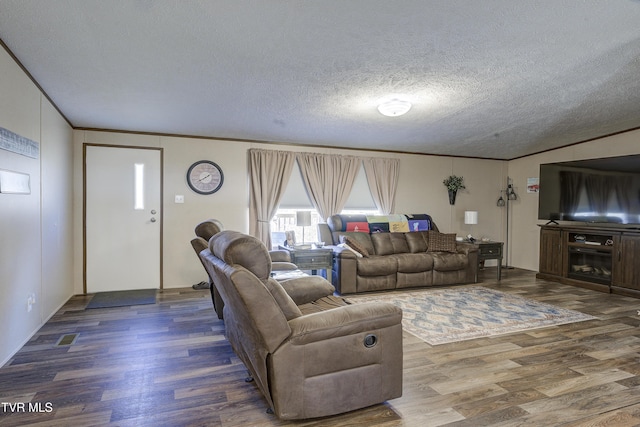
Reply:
x=295, y=195
x=360, y=197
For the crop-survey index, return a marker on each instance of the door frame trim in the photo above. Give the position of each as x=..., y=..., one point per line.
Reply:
x=84, y=206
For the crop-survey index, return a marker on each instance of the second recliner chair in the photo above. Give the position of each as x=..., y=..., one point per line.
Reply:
x=280, y=260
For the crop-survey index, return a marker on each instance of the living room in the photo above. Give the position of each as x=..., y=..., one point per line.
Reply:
x=42, y=232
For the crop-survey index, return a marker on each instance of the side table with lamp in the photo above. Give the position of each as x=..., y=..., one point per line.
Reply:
x=487, y=249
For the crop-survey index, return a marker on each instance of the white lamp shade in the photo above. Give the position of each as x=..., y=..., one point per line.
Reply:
x=303, y=218
x=470, y=217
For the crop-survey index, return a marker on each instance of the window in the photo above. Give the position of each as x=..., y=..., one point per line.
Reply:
x=295, y=198
x=138, y=203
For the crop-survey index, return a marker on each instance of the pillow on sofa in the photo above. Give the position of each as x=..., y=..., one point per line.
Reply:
x=356, y=246
x=441, y=242
x=349, y=248
x=363, y=238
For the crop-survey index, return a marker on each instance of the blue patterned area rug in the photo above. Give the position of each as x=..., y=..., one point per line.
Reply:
x=463, y=313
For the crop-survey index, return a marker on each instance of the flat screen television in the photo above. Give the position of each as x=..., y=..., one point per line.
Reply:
x=603, y=190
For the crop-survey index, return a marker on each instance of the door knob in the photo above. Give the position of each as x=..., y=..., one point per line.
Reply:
x=153, y=220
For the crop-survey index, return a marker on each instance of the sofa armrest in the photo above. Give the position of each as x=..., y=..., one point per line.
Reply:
x=283, y=266
x=344, y=270
x=280, y=255
x=303, y=290
x=471, y=251
x=343, y=321
x=466, y=248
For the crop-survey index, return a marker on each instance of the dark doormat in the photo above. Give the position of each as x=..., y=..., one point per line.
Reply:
x=123, y=298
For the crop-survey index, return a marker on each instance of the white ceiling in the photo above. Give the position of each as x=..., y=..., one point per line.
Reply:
x=491, y=78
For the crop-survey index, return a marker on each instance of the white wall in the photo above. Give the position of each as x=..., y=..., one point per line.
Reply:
x=420, y=190
x=35, y=229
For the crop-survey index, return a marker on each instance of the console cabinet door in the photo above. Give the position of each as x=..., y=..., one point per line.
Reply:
x=626, y=264
x=551, y=252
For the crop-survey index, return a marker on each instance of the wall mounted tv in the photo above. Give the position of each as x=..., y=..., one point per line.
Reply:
x=603, y=190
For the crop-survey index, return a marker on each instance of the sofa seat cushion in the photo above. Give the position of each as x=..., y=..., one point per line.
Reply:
x=445, y=261
x=377, y=266
x=323, y=304
x=414, y=263
x=389, y=243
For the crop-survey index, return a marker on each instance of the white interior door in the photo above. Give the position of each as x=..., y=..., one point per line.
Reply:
x=122, y=218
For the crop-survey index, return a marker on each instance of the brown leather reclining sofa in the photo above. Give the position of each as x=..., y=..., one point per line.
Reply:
x=312, y=354
x=385, y=260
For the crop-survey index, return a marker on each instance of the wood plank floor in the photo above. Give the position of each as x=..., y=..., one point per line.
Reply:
x=169, y=364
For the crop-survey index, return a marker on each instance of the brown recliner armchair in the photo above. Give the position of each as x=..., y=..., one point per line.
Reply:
x=331, y=361
x=281, y=260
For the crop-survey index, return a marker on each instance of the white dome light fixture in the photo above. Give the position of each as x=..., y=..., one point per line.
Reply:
x=394, y=107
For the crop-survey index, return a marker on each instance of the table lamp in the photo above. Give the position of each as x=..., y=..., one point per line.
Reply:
x=471, y=218
x=303, y=219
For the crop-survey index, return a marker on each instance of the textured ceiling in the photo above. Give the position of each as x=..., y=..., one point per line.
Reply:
x=492, y=78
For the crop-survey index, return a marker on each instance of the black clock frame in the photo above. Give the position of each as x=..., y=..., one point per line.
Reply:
x=215, y=165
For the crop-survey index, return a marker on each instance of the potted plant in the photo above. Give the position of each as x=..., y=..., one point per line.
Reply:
x=453, y=184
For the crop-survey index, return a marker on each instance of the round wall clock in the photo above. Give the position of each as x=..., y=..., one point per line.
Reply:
x=205, y=177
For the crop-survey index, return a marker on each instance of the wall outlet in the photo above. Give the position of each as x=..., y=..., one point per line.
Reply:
x=179, y=198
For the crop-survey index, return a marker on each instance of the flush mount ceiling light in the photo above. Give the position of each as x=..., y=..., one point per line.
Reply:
x=394, y=107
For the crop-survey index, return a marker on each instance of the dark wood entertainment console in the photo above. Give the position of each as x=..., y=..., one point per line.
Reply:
x=603, y=258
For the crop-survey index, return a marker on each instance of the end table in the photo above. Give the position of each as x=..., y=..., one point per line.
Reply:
x=490, y=250
x=313, y=259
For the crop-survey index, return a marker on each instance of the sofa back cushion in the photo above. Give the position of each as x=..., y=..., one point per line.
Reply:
x=418, y=241
x=234, y=247
x=207, y=229
x=389, y=243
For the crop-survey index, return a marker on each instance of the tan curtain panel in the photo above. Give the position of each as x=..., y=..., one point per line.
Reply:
x=382, y=176
x=328, y=180
x=269, y=173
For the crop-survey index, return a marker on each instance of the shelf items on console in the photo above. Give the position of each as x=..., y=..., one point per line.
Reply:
x=600, y=258
x=590, y=257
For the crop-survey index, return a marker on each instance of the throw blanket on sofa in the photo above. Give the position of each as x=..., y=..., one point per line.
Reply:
x=395, y=223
